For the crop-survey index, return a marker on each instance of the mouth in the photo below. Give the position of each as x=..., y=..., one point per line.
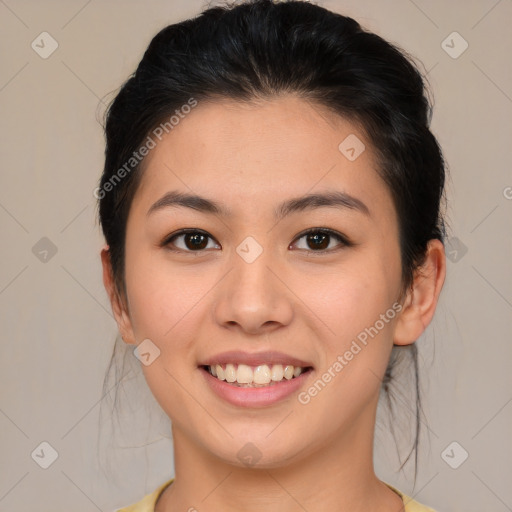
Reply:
x=255, y=379
x=259, y=376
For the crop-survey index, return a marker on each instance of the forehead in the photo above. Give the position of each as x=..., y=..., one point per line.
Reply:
x=251, y=154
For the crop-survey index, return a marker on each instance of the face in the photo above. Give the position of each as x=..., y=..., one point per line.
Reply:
x=247, y=278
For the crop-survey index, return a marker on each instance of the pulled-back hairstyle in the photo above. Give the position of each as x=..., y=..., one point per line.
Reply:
x=261, y=49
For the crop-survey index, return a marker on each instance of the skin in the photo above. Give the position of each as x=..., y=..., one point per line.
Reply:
x=310, y=304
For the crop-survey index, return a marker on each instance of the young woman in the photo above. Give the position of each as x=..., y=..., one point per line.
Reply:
x=271, y=208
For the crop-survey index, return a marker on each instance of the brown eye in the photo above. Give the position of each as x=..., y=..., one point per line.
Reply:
x=192, y=240
x=195, y=241
x=318, y=240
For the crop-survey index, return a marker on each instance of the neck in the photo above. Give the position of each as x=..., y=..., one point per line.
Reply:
x=336, y=476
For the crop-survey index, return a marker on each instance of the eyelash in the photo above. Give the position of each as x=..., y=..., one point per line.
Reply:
x=326, y=231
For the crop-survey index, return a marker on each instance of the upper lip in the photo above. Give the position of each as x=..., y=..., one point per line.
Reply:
x=254, y=359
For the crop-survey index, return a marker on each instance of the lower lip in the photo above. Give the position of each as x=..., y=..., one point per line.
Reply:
x=255, y=397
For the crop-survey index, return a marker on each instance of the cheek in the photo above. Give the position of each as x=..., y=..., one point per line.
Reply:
x=358, y=309
x=165, y=307
x=162, y=303
x=354, y=298
x=168, y=304
x=357, y=305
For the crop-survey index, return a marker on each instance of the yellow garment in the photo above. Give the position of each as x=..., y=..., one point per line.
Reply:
x=147, y=504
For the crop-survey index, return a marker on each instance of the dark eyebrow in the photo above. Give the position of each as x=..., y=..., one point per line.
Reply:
x=308, y=202
x=335, y=199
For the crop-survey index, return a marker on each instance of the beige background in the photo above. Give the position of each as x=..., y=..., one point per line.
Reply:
x=57, y=329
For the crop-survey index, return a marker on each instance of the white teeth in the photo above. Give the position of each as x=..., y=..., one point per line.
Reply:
x=288, y=372
x=277, y=372
x=244, y=374
x=261, y=375
x=230, y=373
x=220, y=372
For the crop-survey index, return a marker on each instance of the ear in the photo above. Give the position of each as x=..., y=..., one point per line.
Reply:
x=421, y=298
x=119, y=308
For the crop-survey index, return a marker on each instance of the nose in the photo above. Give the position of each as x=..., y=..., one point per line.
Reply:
x=253, y=297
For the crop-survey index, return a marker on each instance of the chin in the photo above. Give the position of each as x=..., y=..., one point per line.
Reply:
x=258, y=454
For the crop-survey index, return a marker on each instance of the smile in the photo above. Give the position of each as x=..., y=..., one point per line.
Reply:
x=242, y=375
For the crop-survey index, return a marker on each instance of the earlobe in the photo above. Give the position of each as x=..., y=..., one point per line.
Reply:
x=422, y=296
x=118, y=307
